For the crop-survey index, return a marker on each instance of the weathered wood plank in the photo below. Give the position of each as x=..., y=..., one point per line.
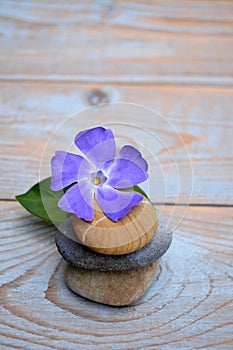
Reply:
x=190, y=302
x=58, y=58
x=117, y=41
x=203, y=117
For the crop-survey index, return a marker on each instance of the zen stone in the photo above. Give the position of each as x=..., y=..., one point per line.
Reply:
x=125, y=236
x=82, y=257
x=116, y=288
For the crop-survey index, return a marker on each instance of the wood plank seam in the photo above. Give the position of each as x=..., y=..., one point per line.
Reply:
x=211, y=205
x=196, y=81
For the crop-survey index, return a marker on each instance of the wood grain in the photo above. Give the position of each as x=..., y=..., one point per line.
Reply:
x=118, y=41
x=188, y=305
x=58, y=58
x=202, y=116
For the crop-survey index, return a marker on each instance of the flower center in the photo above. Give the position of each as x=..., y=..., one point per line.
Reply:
x=96, y=181
x=98, y=178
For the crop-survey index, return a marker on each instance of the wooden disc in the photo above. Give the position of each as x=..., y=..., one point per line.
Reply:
x=125, y=236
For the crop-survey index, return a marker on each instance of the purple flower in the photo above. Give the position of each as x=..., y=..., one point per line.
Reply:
x=99, y=175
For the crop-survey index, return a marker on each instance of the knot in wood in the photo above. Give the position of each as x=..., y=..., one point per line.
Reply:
x=96, y=97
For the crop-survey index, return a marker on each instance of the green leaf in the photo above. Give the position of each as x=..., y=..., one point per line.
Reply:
x=138, y=189
x=41, y=201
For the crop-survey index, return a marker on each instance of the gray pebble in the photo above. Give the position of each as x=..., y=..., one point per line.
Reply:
x=80, y=256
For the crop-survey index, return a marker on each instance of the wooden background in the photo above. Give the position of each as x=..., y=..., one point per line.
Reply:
x=59, y=57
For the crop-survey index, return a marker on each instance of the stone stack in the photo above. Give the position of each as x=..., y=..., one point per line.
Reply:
x=110, y=262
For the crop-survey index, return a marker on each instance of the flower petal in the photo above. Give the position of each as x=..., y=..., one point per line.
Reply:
x=68, y=168
x=98, y=145
x=129, y=169
x=131, y=153
x=79, y=201
x=116, y=204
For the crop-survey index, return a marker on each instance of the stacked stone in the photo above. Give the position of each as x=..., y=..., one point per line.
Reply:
x=113, y=263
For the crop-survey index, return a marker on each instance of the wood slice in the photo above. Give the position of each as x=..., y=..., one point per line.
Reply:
x=125, y=236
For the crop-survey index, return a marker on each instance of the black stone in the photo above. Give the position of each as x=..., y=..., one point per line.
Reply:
x=81, y=256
